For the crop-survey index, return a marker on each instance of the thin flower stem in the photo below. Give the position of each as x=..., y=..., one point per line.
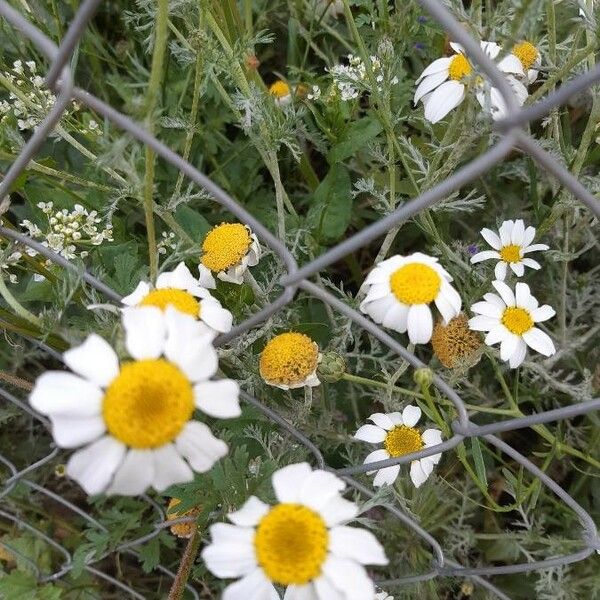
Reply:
x=19, y=309
x=154, y=85
x=185, y=567
x=380, y=384
x=16, y=381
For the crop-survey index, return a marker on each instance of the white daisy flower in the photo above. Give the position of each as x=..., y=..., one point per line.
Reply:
x=528, y=56
x=290, y=360
x=509, y=319
x=228, y=250
x=399, y=436
x=510, y=245
x=400, y=291
x=188, y=294
x=302, y=542
x=135, y=419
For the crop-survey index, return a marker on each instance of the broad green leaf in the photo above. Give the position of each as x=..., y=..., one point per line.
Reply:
x=193, y=222
x=478, y=460
x=357, y=136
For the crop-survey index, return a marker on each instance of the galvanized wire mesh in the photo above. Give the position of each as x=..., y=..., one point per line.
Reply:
x=510, y=134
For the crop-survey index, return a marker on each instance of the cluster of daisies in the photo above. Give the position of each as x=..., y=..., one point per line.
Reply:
x=130, y=410
x=447, y=81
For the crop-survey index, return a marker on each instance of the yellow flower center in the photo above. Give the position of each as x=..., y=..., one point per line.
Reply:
x=279, y=89
x=415, y=283
x=291, y=544
x=517, y=320
x=181, y=300
x=402, y=440
x=527, y=53
x=288, y=358
x=511, y=253
x=459, y=67
x=148, y=403
x=225, y=245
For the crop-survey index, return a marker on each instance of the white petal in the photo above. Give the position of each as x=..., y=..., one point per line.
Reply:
x=215, y=316
x=231, y=553
x=254, y=586
x=199, y=446
x=495, y=300
x=65, y=394
x=356, y=544
x=382, y=420
x=301, y=592
x=169, y=468
x=396, y=418
x=485, y=255
x=528, y=236
x=396, y=317
x=532, y=264
x=94, y=360
x=326, y=590
x=500, y=270
x=376, y=456
x=319, y=487
x=511, y=64
x=505, y=292
x=386, y=476
x=518, y=355
x=338, y=510
x=370, y=433
x=432, y=437
x=411, y=415
x=518, y=269
x=429, y=83
x=252, y=511
x=417, y=474
x=518, y=232
x=70, y=432
x=452, y=296
x=144, y=332
x=349, y=578
x=180, y=278
x=491, y=238
x=487, y=309
x=446, y=309
x=140, y=292
x=437, y=66
x=135, y=474
x=288, y=481
x=94, y=466
x=218, y=399
x=508, y=346
x=482, y=323
x=543, y=313
x=496, y=334
x=505, y=232
x=538, y=340
x=189, y=347
x=522, y=294
x=206, y=278
x=377, y=309
x=443, y=99
x=420, y=323
x=535, y=248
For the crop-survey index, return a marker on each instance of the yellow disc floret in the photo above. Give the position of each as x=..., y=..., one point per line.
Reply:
x=459, y=67
x=225, y=245
x=181, y=530
x=517, y=320
x=181, y=300
x=527, y=53
x=402, y=440
x=511, y=253
x=455, y=344
x=415, y=283
x=291, y=544
x=279, y=89
x=289, y=358
x=148, y=403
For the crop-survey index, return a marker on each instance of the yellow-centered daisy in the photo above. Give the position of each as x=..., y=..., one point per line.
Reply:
x=135, y=419
x=302, y=542
x=510, y=319
x=400, y=290
x=228, y=250
x=529, y=57
x=188, y=294
x=399, y=436
x=290, y=360
x=281, y=92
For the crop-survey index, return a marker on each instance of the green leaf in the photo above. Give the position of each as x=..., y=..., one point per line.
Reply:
x=478, y=459
x=195, y=225
x=331, y=210
x=357, y=136
x=19, y=584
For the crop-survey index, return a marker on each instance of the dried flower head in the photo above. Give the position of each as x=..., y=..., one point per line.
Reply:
x=455, y=344
x=185, y=529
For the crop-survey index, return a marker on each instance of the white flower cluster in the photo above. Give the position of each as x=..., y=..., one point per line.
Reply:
x=30, y=101
x=8, y=260
x=351, y=79
x=167, y=243
x=69, y=229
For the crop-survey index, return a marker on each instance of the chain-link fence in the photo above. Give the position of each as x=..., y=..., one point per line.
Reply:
x=509, y=133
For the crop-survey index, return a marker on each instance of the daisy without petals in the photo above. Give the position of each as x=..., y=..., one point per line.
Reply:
x=188, y=294
x=510, y=318
x=510, y=245
x=399, y=436
x=135, y=419
x=228, y=250
x=302, y=542
x=289, y=361
x=281, y=92
x=400, y=290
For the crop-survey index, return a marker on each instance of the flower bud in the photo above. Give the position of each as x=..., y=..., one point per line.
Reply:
x=332, y=367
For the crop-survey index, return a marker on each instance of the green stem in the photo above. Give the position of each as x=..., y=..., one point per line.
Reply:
x=380, y=384
x=19, y=309
x=185, y=567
